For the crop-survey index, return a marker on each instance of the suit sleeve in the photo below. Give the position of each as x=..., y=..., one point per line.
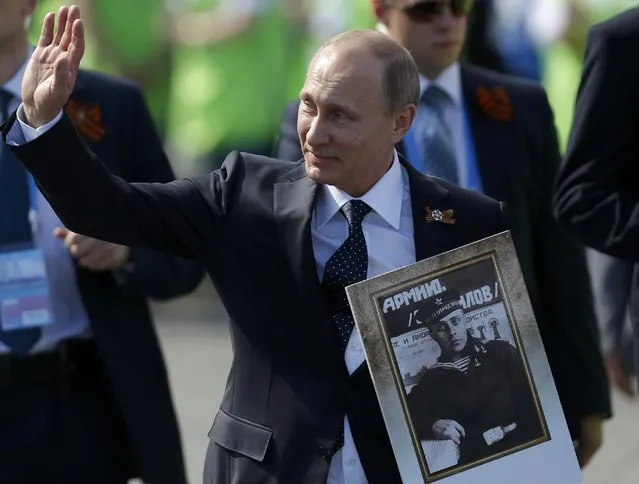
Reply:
x=597, y=189
x=150, y=273
x=288, y=145
x=571, y=335
x=611, y=285
x=180, y=217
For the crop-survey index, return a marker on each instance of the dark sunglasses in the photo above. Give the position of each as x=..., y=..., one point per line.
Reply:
x=426, y=11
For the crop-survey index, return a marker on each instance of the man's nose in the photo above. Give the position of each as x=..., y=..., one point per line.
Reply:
x=446, y=19
x=450, y=332
x=317, y=134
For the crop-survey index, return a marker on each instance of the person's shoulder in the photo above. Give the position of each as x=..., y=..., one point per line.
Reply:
x=260, y=168
x=99, y=81
x=491, y=79
x=464, y=196
x=623, y=26
x=500, y=347
x=476, y=215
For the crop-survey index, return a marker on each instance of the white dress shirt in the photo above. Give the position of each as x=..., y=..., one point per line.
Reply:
x=450, y=82
x=69, y=313
x=388, y=231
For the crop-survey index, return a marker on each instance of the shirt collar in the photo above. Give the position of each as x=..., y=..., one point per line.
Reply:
x=385, y=198
x=14, y=84
x=449, y=81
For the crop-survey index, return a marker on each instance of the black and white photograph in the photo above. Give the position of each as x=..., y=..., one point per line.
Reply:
x=460, y=371
x=468, y=391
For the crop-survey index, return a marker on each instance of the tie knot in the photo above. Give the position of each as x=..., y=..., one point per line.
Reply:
x=355, y=211
x=435, y=97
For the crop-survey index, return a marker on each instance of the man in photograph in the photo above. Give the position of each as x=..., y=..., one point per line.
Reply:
x=477, y=394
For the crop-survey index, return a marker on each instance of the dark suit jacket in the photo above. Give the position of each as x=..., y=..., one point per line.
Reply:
x=518, y=159
x=117, y=303
x=249, y=223
x=597, y=190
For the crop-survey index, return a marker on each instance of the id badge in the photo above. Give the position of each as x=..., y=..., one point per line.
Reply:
x=24, y=290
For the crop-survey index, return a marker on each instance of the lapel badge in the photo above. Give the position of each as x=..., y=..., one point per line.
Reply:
x=446, y=216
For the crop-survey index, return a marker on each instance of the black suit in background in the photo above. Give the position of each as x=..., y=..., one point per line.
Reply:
x=517, y=161
x=125, y=408
x=597, y=189
x=249, y=223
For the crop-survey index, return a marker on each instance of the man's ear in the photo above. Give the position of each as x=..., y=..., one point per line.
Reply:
x=378, y=8
x=403, y=121
x=30, y=7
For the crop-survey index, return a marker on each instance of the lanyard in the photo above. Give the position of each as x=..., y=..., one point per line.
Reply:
x=33, y=199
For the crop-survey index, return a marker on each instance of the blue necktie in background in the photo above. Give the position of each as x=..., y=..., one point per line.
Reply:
x=433, y=135
x=15, y=227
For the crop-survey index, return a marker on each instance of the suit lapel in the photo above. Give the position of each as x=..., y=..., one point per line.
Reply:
x=294, y=201
x=496, y=144
x=430, y=238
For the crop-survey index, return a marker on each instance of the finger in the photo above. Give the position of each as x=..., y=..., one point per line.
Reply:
x=454, y=436
x=46, y=34
x=72, y=16
x=459, y=429
x=63, y=14
x=60, y=232
x=71, y=238
x=99, y=260
x=86, y=246
x=76, y=49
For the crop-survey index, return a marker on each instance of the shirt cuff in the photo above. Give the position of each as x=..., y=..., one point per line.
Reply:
x=21, y=133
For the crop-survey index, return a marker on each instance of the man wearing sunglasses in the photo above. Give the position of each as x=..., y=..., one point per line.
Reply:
x=495, y=134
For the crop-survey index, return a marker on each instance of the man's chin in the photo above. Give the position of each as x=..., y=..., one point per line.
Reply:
x=319, y=175
x=458, y=347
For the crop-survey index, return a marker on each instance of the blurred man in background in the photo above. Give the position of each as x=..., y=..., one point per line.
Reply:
x=233, y=67
x=85, y=395
x=596, y=193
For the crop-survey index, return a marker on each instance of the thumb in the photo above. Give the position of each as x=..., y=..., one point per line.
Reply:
x=60, y=232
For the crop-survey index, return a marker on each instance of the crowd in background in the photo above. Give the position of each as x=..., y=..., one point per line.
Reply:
x=219, y=75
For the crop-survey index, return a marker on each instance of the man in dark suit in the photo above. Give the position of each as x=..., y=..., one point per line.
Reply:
x=495, y=134
x=280, y=240
x=596, y=193
x=86, y=397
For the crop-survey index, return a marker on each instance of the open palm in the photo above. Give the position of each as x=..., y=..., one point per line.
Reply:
x=52, y=70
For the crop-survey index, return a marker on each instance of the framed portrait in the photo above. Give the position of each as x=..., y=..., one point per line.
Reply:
x=460, y=370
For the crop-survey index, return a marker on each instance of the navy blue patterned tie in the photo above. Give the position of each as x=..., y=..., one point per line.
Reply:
x=15, y=227
x=434, y=136
x=348, y=265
